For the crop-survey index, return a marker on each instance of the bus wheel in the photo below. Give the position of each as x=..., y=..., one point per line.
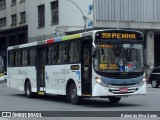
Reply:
x=74, y=98
x=114, y=99
x=28, y=92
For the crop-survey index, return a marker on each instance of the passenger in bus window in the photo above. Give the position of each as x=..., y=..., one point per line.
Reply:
x=120, y=60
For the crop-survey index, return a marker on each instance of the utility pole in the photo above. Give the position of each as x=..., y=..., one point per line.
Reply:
x=84, y=17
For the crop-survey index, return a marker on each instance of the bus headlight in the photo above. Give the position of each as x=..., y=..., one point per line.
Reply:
x=143, y=81
x=99, y=81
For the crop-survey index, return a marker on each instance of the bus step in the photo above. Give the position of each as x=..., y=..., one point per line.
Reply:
x=41, y=93
x=87, y=95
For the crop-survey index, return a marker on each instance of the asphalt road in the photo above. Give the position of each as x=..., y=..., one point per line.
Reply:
x=14, y=100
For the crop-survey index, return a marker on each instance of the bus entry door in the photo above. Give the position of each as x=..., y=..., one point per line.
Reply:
x=86, y=68
x=40, y=69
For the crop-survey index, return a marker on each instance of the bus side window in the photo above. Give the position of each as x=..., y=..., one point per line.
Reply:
x=19, y=58
x=49, y=55
x=60, y=54
x=15, y=58
x=74, y=52
x=86, y=54
x=32, y=56
x=54, y=59
x=55, y=54
x=25, y=57
x=11, y=61
x=69, y=52
x=9, y=57
x=66, y=53
x=77, y=52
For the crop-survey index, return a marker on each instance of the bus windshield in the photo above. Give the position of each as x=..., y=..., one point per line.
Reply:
x=119, y=57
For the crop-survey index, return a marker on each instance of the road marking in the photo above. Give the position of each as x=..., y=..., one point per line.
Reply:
x=3, y=118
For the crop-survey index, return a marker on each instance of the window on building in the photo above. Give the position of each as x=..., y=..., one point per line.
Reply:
x=14, y=19
x=22, y=17
x=54, y=13
x=13, y=2
x=2, y=22
x=12, y=40
x=3, y=44
x=41, y=16
x=2, y=4
x=21, y=38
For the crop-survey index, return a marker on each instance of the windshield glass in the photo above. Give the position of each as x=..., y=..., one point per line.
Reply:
x=119, y=58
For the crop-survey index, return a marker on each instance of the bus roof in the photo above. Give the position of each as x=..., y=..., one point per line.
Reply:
x=47, y=41
x=64, y=38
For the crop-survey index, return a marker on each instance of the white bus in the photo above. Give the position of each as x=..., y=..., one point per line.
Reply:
x=99, y=63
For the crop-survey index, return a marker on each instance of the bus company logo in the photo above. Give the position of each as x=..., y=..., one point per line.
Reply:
x=6, y=114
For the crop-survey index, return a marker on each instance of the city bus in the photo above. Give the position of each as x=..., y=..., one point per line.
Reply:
x=104, y=63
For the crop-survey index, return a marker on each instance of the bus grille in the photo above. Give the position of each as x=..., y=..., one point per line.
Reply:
x=117, y=90
x=123, y=84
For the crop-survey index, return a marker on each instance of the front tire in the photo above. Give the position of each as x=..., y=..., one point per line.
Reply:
x=114, y=99
x=154, y=84
x=28, y=91
x=74, y=98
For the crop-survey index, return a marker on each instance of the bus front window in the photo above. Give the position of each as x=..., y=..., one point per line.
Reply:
x=119, y=58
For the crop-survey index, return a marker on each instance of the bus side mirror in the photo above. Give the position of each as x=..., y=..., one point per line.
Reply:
x=93, y=52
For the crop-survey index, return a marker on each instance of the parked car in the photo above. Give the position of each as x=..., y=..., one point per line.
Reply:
x=4, y=77
x=154, y=77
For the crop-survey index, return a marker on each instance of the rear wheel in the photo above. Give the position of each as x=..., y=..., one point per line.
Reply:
x=28, y=91
x=74, y=98
x=114, y=99
x=154, y=84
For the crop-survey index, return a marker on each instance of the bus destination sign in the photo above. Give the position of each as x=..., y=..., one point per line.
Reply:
x=128, y=35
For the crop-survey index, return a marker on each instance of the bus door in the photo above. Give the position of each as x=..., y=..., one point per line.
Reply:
x=41, y=55
x=86, y=67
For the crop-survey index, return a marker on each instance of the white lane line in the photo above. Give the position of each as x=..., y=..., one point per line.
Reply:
x=3, y=118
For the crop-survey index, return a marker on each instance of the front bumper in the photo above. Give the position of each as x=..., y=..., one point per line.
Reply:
x=99, y=90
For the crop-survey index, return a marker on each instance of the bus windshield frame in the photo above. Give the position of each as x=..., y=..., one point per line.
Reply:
x=113, y=47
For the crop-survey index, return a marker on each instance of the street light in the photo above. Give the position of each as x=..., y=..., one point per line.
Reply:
x=84, y=17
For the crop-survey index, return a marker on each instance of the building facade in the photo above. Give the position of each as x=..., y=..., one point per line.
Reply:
x=142, y=15
x=24, y=21
x=13, y=27
x=52, y=18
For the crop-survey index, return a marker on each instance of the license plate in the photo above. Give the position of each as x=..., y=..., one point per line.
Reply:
x=123, y=89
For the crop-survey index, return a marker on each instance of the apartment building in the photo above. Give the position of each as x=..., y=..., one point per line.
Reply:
x=13, y=26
